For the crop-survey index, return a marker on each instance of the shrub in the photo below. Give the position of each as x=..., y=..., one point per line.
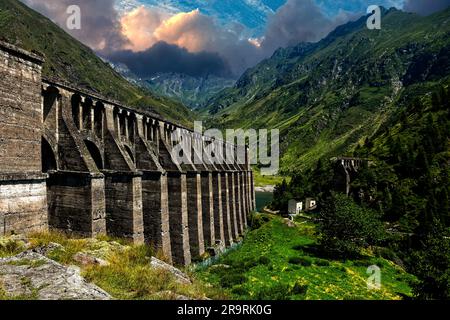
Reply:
x=300, y=288
x=257, y=220
x=278, y=291
x=250, y=264
x=347, y=227
x=230, y=280
x=390, y=255
x=10, y=248
x=322, y=263
x=264, y=261
x=303, y=261
x=239, y=291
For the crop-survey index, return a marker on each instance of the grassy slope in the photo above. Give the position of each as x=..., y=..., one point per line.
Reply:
x=262, y=181
x=274, y=262
x=68, y=59
x=127, y=277
x=327, y=97
x=285, y=250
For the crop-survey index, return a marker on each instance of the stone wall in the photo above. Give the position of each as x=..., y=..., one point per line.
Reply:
x=76, y=203
x=74, y=161
x=23, y=203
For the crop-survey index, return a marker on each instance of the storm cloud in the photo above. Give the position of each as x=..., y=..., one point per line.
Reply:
x=193, y=31
x=163, y=57
x=100, y=24
x=150, y=40
x=300, y=21
x=425, y=7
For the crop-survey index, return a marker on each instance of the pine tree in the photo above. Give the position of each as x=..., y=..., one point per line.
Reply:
x=436, y=101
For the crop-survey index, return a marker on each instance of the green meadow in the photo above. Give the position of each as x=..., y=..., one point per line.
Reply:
x=282, y=261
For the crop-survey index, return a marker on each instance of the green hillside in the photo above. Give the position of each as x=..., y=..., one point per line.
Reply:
x=70, y=60
x=328, y=96
x=405, y=189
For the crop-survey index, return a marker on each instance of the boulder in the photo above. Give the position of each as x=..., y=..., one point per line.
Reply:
x=289, y=223
x=170, y=295
x=86, y=259
x=45, y=250
x=31, y=275
x=179, y=275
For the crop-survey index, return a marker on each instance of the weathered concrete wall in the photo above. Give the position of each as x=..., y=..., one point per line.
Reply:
x=209, y=233
x=238, y=202
x=23, y=204
x=20, y=111
x=74, y=161
x=233, y=206
x=195, y=213
x=227, y=226
x=156, y=212
x=76, y=203
x=218, y=213
x=124, y=216
x=178, y=218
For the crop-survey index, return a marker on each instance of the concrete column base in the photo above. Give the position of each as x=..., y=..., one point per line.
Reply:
x=155, y=202
x=124, y=216
x=178, y=218
x=76, y=203
x=195, y=214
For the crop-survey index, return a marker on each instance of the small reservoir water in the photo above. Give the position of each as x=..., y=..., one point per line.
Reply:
x=263, y=199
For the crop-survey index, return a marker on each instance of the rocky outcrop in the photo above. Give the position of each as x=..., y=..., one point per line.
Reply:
x=268, y=189
x=31, y=275
x=179, y=276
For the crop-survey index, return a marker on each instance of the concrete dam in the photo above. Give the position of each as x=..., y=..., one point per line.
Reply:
x=74, y=161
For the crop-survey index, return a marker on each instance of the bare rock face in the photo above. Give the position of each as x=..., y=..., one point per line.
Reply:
x=31, y=275
x=180, y=276
x=289, y=223
x=86, y=259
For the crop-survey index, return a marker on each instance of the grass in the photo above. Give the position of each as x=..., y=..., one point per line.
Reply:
x=30, y=263
x=128, y=275
x=293, y=269
x=262, y=181
x=275, y=262
x=9, y=248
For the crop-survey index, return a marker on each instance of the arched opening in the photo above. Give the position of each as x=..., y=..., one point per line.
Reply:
x=50, y=97
x=95, y=154
x=87, y=115
x=75, y=101
x=98, y=120
x=48, y=157
x=131, y=127
x=123, y=130
x=130, y=153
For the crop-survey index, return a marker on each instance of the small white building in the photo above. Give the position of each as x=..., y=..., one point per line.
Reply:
x=311, y=204
x=295, y=207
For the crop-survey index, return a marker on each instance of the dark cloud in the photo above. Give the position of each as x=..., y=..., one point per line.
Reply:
x=100, y=25
x=300, y=21
x=426, y=7
x=163, y=57
x=198, y=44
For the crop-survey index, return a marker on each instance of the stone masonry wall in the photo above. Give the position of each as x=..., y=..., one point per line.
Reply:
x=23, y=202
x=74, y=161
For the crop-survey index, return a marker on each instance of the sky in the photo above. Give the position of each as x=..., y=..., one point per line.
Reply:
x=207, y=37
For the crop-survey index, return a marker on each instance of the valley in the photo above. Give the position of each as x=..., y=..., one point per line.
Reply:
x=364, y=120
